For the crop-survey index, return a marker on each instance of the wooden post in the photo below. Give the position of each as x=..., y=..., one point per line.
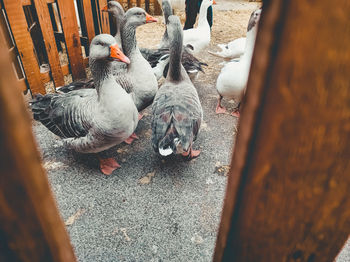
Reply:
x=42, y=11
x=287, y=194
x=30, y=225
x=24, y=44
x=89, y=21
x=71, y=34
x=104, y=17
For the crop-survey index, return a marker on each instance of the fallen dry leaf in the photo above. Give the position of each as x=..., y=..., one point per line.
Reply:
x=221, y=170
x=74, y=217
x=147, y=179
x=122, y=150
x=123, y=230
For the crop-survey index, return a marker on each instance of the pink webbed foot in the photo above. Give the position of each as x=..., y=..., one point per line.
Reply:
x=236, y=114
x=191, y=154
x=108, y=165
x=131, y=138
x=220, y=110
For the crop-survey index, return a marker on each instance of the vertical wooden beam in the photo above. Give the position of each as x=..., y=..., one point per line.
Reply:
x=71, y=34
x=157, y=8
x=24, y=44
x=287, y=193
x=49, y=40
x=30, y=225
x=89, y=21
x=104, y=17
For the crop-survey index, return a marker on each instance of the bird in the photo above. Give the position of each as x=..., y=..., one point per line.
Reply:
x=233, y=78
x=199, y=38
x=92, y=120
x=192, y=65
x=231, y=50
x=176, y=110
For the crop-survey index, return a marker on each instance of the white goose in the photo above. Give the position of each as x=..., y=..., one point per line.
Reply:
x=199, y=38
x=232, y=50
x=232, y=81
x=176, y=110
x=92, y=120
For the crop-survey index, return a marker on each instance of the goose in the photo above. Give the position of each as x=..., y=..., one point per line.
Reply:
x=92, y=120
x=116, y=11
x=137, y=78
x=192, y=65
x=232, y=80
x=176, y=110
x=177, y=5
x=232, y=50
x=199, y=38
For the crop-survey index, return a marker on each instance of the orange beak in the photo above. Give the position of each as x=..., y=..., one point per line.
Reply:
x=214, y=3
x=116, y=53
x=105, y=9
x=150, y=19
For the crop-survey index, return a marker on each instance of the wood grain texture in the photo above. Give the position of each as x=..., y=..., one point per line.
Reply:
x=30, y=226
x=71, y=34
x=89, y=21
x=104, y=17
x=49, y=40
x=287, y=193
x=24, y=44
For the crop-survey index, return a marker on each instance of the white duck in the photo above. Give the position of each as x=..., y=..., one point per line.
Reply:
x=199, y=38
x=232, y=81
x=176, y=110
x=232, y=50
x=92, y=120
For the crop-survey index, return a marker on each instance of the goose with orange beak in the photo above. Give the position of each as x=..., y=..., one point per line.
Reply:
x=92, y=120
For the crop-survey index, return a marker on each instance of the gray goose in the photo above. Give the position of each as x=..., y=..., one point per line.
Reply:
x=137, y=78
x=176, y=111
x=92, y=120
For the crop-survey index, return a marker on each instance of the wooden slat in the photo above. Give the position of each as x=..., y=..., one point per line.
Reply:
x=30, y=2
x=24, y=44
x=45, y=77
x=104, y=17
x=30, y=224
x=287, y=193
x=157, y=8
x=89, y=21
x=71, y=34
x=49, y=40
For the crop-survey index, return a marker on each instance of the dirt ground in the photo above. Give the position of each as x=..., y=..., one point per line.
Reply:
x=151, y=209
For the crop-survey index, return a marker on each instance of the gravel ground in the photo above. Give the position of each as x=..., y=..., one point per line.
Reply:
x=152, y=209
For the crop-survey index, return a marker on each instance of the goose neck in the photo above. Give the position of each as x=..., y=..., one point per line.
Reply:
x=202, y=20
x=101, y=71
x=128, y=38
x=250, y=43
x=175, y=55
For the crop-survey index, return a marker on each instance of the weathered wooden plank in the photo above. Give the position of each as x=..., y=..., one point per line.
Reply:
x=89, y=21
x=30, y=225
x=104, y=17
x=157, y=8
x=49, y=40
x=30, y=2
x=71, y=34
x=287, y=193
x=24, y=44
x=45, y=77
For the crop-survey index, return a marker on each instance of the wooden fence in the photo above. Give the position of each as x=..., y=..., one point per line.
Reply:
x=49, y=39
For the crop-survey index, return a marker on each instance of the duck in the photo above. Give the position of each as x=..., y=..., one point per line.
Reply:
x=176, y=110
x=233, y=78
x=199, y=38
x=92, y=120
x=231, y=50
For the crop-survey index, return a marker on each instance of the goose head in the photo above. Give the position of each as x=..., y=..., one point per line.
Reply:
x=137, y=16
x=254, y=19
x=104, y=47
x=114, y=8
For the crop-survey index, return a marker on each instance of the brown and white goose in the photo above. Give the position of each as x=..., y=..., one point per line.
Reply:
x=92, y=120
x=176, y=110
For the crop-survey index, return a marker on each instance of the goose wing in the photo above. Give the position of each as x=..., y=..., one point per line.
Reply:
x=66, y=115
